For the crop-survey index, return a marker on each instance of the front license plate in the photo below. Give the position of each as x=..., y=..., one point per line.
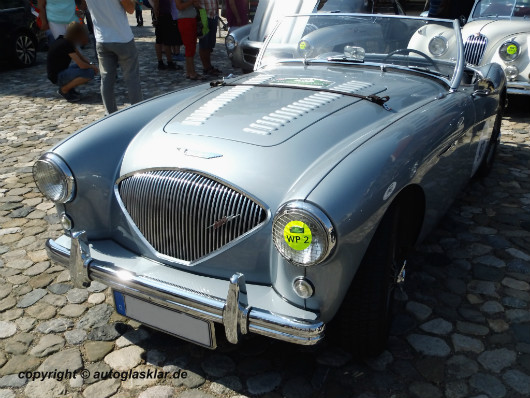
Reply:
x=182, y=325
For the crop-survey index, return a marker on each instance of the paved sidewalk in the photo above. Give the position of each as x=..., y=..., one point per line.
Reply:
x=462, y=328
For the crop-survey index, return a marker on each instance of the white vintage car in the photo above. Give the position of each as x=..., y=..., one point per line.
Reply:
x=497, y=31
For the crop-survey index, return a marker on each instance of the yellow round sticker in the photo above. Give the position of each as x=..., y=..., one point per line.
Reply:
x=303, y=45
x=511, y=49
x=297, y=235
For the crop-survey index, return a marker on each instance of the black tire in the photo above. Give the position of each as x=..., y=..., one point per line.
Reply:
x=491, y=150
x=363, y=321
x=24, y=49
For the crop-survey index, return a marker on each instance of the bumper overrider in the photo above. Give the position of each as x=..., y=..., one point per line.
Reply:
x=233, y=313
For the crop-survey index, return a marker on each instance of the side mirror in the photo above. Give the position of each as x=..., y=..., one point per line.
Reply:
x=462, y=20
x=483, y=87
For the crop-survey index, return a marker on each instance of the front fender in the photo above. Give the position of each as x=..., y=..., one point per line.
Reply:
x=94, y=155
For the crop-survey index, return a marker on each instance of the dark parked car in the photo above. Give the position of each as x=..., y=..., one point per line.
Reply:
x=18, y=31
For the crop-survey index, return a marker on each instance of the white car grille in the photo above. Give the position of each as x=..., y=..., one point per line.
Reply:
x=474, y=48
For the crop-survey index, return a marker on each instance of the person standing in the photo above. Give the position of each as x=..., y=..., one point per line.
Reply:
x=56, y=15
x=139, y=14
x=237, y=13
x=115, y=46
x=187, y=24
x=166, y=33
x=207, y=42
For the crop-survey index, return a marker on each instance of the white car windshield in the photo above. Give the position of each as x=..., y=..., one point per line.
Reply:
x=427, y=45
x=502, y=9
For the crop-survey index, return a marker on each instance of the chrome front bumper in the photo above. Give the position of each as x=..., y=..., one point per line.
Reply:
x=519, y=88
x=233, y=313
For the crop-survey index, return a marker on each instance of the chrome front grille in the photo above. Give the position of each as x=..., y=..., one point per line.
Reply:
x=187, y=215
x=474, y=49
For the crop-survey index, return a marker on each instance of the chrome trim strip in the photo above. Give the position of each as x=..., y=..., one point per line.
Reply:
x=248, y=319
x=518, y=88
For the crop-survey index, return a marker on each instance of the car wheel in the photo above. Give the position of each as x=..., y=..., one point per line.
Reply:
x=489, y=157
x=364, y=319
x=24, y=49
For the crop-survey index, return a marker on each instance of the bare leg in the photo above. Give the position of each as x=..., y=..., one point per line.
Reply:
x=190, y=67
x=206, y=58
x=158, y=49
x=74, y=83
x=167, y=50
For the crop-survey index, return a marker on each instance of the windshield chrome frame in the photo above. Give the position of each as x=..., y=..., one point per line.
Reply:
x=459, y=64
x=503, y=17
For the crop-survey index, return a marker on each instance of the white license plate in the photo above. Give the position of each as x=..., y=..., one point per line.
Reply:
x=182, y=325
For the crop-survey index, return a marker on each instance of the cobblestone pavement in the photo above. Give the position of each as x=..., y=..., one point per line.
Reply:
x=462, y=327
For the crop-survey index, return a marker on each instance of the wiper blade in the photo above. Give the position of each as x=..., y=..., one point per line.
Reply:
x=346, y=59
x=427, y=70
x=381, y=101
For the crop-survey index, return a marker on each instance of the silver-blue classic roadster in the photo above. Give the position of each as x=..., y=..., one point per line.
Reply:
x=283, y=202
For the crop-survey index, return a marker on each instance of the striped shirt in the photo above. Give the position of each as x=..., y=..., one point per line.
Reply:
x=212, y=7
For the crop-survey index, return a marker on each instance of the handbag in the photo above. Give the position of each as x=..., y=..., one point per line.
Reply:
x=202, y=22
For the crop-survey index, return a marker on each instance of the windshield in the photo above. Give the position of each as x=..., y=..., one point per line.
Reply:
x=501, y=8
x=358, y=6
x=427, y=45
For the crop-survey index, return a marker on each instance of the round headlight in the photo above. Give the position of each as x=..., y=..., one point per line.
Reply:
x=511, y=72
x=438, y=46
x=509, y=51
x=303, y=234
x=230, y=43
x=54, y=178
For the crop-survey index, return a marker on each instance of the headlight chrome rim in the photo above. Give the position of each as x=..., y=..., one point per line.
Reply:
x=317, y=218
x=505, y=55
x=439, y=39
x=64, y=174
x=230, y=43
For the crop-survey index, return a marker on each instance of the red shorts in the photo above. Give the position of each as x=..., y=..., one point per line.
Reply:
x=188, y=32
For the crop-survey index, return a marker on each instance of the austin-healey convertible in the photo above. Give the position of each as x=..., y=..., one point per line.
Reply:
x=280, y=203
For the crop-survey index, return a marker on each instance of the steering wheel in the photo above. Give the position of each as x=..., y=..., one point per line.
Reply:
x=411, y=50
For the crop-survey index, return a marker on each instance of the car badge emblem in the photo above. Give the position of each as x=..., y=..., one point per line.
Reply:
x=199, y=154
x=223, y=221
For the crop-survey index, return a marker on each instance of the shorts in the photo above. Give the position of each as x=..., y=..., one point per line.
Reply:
x=188, y=32
x=167, y=32
x=72, y=72
x=208, y=41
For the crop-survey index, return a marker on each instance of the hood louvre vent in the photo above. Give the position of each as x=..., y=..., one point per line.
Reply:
x=273, y=121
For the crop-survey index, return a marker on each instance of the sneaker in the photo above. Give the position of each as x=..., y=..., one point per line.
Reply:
x=161, y=65
x=69, y=96
x=75, y=92
x=173, y=66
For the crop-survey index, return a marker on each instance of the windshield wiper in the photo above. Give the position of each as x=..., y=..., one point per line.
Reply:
x=381, y=101
x=427, y=70
x=346, y=59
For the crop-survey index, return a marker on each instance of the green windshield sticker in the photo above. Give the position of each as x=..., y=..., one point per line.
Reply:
x=303, y=82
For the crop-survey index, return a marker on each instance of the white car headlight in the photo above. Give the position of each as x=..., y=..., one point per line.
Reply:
x=54, y=178
x=230, y=43
x=303, y=234
x=438, y=46
x=509, y=51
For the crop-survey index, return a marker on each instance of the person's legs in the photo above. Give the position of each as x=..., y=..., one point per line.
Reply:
x=206, y=46
x=57, y=29
x=72, y=77
x=128, y=60
x=108, y=63
x=188, y=32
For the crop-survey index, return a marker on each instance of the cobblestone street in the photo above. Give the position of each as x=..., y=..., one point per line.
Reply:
x=462, y=327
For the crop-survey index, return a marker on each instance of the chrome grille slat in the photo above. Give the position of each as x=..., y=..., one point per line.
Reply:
x=181, y=213
x=474, y=48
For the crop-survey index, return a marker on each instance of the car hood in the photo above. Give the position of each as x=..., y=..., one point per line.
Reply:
x=238, y=135
x=495, y=29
